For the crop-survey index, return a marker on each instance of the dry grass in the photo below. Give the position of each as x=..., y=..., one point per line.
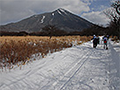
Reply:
x=20, y=49
x=115, y=39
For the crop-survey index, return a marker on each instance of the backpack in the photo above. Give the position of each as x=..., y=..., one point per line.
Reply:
x=105, y=40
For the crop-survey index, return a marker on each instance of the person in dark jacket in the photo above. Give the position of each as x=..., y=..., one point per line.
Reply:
x=98, y=40
x=95, y=41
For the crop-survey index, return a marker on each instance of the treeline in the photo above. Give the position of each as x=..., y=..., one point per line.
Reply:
x=95, y=30
x=53, y=31
x=24, y=33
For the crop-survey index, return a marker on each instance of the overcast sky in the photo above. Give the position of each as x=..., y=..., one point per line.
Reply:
x=16, y=10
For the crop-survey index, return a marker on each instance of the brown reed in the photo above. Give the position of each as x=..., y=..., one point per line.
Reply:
x=20, y=49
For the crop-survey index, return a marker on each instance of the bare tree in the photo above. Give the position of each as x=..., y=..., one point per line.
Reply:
x=116, y=5
x=114, y=16
x=50, y=30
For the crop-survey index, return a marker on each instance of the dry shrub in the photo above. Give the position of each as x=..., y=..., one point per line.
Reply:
x=115, y=39
x=20, y=49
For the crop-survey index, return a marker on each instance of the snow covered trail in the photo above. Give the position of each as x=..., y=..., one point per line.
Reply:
x=76, y=68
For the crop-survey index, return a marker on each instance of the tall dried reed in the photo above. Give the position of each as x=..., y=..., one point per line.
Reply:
x=20, y=49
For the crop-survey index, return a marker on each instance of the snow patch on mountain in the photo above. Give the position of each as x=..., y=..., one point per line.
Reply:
x=42, y=20
x=62, y=10
x=35, y=15
x=59, y=12
x=53, y=14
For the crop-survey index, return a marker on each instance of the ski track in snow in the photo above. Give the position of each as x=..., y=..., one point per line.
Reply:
x=77, y=68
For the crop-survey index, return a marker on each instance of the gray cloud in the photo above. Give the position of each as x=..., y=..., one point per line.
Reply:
x=15, y=10
x=97, y=17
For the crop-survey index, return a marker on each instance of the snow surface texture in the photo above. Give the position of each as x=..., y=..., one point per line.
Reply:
x=76, y=68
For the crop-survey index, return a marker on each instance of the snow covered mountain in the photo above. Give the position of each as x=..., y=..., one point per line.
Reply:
x=61, y=18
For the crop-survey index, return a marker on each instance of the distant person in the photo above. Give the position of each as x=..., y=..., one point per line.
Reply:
x=98, y=40
x=107, y=37
x=105, y=42
x=94, y=36
x=95, y=41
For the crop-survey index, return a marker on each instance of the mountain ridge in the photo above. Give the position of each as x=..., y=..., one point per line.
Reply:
x=61, y=18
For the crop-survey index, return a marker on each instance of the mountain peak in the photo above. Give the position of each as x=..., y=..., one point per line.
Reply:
x=61, y=9
x=60, y=18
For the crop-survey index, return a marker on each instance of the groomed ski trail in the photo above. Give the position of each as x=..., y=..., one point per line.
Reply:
x=59, y=84
x=77, y=68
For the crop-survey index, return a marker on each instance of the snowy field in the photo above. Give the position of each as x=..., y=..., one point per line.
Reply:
x=77, y=68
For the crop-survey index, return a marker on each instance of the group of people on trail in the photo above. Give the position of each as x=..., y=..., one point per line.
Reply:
x=96, y=40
